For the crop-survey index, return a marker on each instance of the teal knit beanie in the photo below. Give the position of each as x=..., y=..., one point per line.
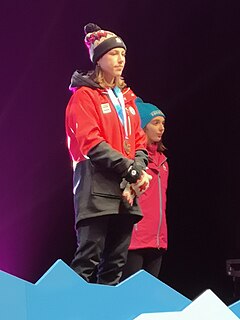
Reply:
x=147, y=111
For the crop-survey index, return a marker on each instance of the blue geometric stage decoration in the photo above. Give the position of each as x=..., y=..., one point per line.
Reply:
x=235, y=307
x=207, y=306
x=60, y=294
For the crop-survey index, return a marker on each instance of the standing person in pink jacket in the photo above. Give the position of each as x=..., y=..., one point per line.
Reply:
x=149, y=237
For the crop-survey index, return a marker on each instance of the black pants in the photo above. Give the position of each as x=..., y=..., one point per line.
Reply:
x=149, y=259
x=102, y=248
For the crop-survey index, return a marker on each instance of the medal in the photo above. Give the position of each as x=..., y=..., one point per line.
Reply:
x=127, y=147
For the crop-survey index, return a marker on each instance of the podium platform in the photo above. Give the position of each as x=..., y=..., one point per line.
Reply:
x=60, y=294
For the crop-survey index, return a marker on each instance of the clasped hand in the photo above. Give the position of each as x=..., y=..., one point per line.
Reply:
x=133, y=190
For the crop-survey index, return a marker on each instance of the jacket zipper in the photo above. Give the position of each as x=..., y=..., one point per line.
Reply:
x=160, y=210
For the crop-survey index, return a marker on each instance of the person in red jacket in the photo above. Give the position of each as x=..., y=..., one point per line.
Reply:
x=107, y=146
x=149, y=237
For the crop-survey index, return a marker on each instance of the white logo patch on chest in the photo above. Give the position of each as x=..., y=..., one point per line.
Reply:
x=106, y=107
x=131, y=109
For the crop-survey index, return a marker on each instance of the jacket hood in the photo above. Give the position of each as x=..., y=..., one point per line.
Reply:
x=80, y=79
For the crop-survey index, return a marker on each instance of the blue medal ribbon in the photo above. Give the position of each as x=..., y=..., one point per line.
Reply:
x=116, y=97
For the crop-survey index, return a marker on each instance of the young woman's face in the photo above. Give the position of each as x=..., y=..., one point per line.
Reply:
x=155, y=129
x=112, y=63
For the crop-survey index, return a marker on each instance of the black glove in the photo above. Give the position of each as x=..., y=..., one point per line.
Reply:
x=134, y=173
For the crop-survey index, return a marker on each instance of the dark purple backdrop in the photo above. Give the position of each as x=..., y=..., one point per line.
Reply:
x=182, y=56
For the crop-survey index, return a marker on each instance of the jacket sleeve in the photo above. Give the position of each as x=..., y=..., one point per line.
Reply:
x=105, y=156
x=82, y=122
x=141, y=158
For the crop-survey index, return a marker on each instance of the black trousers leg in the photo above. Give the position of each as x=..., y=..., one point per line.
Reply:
x=148, y=259
x=116, y=249
x=134, y=263
x=102, y=248
x=152, y=262
x=91, y=234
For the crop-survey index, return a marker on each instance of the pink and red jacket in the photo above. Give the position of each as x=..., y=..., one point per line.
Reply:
x=151, y=231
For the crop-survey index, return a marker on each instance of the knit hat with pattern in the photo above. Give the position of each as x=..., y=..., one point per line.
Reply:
x=100, y=41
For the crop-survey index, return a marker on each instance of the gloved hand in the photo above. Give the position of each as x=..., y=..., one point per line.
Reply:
x=142, y=184
x=134, y=172
x=135, y=189
x=129, y=194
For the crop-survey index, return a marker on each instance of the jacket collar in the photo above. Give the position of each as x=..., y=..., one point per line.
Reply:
x=156, y=158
